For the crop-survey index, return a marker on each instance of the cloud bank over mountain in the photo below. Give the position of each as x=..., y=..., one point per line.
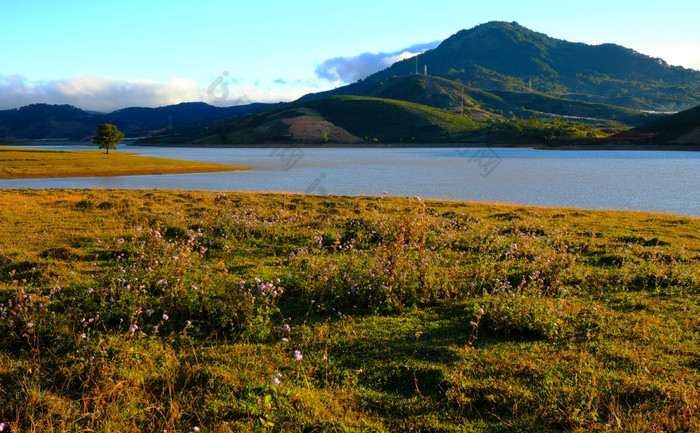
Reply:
x=103, y=94
x=349, y=69
x=96, y=93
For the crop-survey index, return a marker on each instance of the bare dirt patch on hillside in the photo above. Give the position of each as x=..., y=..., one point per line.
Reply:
x=315, y=128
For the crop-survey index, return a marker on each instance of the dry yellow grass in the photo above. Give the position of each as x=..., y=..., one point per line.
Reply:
x=16, y=163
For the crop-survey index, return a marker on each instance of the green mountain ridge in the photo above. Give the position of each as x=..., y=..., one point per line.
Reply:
x=508, y=56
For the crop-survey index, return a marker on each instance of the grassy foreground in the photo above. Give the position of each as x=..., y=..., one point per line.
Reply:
x=21, y=163
x=134, y=311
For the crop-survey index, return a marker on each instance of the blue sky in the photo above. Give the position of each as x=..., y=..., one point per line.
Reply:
x=103, y=55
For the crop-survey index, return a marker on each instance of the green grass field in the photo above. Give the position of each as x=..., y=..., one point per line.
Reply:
x=134, y=311
x=27, y=163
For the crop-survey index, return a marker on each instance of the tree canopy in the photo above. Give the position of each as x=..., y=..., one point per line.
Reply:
x=108, y=137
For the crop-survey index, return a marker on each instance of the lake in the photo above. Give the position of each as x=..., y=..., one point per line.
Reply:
x=656, y=181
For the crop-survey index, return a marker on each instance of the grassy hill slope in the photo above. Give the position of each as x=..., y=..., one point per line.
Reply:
x=457, y=97
x=682, y=128
x=390, y=120
x=338, y=119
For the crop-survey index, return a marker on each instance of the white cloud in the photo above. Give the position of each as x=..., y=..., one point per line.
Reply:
x=91, y=92
x=349, y=69
x=241, y=91
x=686, y=55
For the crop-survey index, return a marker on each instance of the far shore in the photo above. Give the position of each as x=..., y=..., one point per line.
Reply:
x=540, y=146
x=657, y=147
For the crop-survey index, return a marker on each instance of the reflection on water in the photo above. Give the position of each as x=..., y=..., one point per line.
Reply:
x=658, y=181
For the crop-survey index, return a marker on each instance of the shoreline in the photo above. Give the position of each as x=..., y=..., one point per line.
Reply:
x=36, y=163
x=675, y=147
x=654, y=147
x=432, y=200
x=537, y=146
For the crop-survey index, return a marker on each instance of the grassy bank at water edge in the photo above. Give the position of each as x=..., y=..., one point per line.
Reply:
x=24, y=163
x=138, y=311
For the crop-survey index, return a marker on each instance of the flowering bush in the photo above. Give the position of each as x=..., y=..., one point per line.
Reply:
x=395, y=262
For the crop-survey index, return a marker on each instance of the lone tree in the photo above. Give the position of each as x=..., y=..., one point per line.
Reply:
x=108, y=136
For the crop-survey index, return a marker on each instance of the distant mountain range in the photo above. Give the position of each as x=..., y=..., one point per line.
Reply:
x=497, y=82
x=44, y=121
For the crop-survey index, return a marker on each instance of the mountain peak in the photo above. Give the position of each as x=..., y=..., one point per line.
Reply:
x=497, y=25
x=501, y=55
x=496, y=35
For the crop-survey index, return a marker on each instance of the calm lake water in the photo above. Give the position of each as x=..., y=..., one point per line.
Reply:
x=657, y=181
